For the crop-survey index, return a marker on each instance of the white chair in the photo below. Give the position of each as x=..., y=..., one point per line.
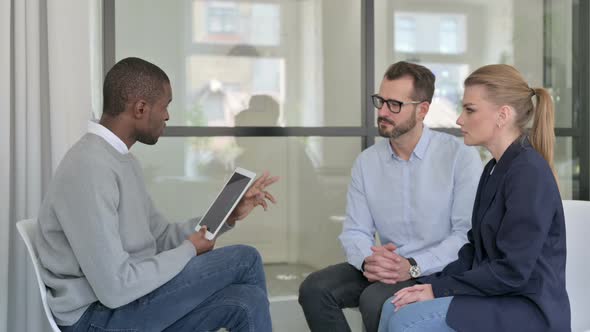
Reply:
x=577, y=270
x=27, y=229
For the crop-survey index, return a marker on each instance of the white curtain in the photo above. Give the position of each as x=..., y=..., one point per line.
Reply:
x=45, y=102
x=5, y=160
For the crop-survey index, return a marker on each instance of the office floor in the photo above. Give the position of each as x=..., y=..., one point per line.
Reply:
x=283, y=282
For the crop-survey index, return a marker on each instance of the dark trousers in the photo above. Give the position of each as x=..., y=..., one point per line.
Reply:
x=324, y=293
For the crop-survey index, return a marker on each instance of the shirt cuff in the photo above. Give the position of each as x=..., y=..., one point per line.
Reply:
x=425, y=262
x=357, y=262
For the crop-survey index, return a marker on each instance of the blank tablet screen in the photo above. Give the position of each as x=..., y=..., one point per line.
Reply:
x=225, y=201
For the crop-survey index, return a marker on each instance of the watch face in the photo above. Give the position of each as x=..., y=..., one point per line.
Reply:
x=414, y=271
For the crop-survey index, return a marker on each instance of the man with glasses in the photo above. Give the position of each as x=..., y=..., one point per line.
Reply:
x=415, y=189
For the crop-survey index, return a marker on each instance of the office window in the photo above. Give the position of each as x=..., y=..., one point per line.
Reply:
x=284, y=85
x=405, y=33
x=222, y=19
x=229, y=22
x=449, y=35
x=302, y=228
x=453, y=38
x=263, y=63
x=429, y=32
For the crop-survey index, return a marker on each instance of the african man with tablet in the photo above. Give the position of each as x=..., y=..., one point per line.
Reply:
x=111, y=261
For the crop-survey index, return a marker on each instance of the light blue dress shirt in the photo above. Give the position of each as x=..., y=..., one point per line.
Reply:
x=422, y=205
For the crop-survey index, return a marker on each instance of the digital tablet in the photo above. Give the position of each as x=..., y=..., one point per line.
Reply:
x=226, y=201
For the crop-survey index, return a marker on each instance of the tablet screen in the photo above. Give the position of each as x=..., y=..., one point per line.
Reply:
x=225, y=201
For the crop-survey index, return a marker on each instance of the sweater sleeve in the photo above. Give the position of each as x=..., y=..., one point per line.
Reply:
x=170, y=235
x=86, y=206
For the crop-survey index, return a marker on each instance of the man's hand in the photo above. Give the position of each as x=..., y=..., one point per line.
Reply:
x=416, y=293
x=256, y=195
x=202, y=245
x=386, y=266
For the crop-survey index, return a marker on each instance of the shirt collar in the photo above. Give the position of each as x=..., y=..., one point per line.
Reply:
x=102, y=131
x=419, y=150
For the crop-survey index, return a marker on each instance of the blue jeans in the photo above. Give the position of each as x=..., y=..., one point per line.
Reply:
x=222, y=288
x=420, y=316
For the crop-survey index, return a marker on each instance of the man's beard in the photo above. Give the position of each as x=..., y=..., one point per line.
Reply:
x=147, y=138
x=399, y=129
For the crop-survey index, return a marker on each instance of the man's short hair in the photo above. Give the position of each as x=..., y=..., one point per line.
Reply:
x=423, y=78
x=129, y=80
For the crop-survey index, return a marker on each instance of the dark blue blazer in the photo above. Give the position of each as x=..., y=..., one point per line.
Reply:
x=511, y=274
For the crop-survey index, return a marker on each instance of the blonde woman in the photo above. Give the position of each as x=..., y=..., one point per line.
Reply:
x=511, y=274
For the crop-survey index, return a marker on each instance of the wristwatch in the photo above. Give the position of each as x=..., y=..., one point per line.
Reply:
x=414, y=268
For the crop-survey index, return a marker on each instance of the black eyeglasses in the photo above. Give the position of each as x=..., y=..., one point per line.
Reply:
x=394, y=106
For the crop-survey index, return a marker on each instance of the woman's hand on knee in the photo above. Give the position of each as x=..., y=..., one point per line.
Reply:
x=416, y=293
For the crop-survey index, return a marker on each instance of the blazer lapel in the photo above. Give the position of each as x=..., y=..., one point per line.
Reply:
x=488, y=192
x=476, y=214
x=477, y=210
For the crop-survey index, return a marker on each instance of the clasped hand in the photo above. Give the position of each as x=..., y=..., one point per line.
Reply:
x=386, y=266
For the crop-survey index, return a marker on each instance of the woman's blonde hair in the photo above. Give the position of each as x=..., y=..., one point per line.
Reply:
x=506, y=86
